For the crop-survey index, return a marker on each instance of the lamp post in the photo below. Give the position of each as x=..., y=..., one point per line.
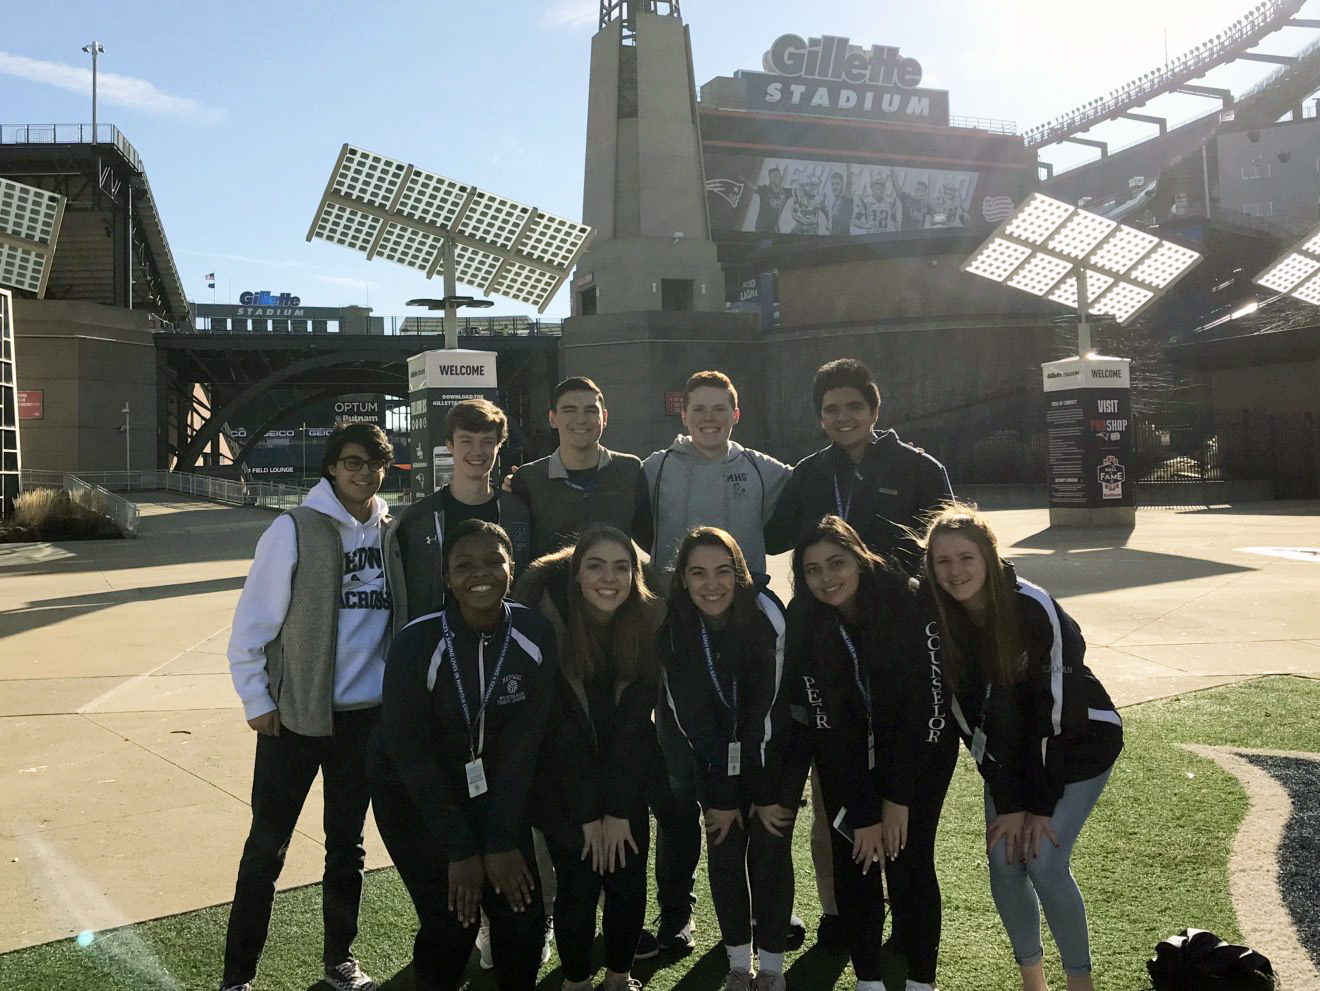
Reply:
x=128, y=461
x=303, y=480
x=94, y=49
x=450, y=304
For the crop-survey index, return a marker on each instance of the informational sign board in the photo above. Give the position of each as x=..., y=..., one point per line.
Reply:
x=1088, y=420
x=31, y=404
x=436, y=381
x=290, y=450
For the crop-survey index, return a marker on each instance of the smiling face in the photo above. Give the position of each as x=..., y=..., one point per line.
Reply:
x=605, y=576
x=479, y=572
x=474, y=452
x=710, y=579
x=580, y=418
x=847, y=418
x=354, y=479
x=960, y=569
x=709, y=417
x=832, y=574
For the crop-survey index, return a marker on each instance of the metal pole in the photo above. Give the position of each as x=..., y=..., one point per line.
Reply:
x=451, y=290
x=1083, y=326
x=128, y=460
x=94, y=49
x=304, y=447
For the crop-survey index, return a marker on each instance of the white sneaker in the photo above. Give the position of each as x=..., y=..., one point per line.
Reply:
x=486, y=961
x=348, y=976
x=738, y=980
x=237, y=987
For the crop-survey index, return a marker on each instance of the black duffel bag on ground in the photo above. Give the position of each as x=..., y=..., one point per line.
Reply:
x=1197, y=960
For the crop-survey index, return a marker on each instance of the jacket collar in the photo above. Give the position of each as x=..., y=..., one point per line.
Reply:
x=557, y=469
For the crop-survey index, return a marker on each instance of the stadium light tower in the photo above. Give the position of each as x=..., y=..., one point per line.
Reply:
x=1097, y=266
x=1294, y=273
x=94, y=49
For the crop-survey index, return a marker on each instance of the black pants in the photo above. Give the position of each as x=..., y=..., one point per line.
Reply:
x=861, y=900
x=677, y=827
x=579, y=893
x=751, y=876
x=443, y=945
x=914, y=889
x=285, y=768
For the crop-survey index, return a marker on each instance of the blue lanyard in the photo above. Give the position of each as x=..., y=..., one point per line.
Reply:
x=489, y=689
x=864, y=688
x=714, y=679
x=839, y=504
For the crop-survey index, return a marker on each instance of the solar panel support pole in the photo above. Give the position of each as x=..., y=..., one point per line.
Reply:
x=451, y=290
x=1083, y=324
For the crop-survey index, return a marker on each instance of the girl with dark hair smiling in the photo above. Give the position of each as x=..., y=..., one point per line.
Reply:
x=1040, y=726
x=468, y=691
x=592, y=805
x=724, y=722
x=869, y=692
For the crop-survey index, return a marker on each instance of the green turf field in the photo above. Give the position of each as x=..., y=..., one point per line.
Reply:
x=1152, y=860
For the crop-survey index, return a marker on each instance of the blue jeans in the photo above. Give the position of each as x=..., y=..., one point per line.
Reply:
x=1022, y=890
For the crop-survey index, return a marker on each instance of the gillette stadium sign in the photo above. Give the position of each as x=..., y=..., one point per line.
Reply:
x=831, y=77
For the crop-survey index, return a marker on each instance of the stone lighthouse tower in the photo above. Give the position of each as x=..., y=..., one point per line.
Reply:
x=648, y=296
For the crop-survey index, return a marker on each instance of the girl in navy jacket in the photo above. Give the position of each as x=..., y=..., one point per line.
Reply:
x=722, y=658
x=1040, y=726
x=467, y=694
x=868, y=693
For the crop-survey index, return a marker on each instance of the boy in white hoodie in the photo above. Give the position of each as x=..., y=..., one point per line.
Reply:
x=307, y=656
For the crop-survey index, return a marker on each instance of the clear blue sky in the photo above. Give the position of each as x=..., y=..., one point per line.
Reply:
x=239, y=108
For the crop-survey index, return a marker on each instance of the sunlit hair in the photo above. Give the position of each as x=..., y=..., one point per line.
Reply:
x=835, y=530
x=1004, y=664
x=477, y=416
x=625, y=645
x=711, y=379
x=742, y=614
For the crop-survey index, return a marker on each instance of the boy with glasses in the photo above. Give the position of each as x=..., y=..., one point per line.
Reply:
x=307, y=656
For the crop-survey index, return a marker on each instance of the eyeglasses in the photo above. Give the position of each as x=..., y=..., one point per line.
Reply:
x=354, y=463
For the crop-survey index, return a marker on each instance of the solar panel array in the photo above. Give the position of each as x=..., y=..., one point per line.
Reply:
x=29, y=227
x=387, y=208
x=1295, y=272
x=1039, y=249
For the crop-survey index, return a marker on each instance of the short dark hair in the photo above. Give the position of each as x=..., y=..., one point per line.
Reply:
x=575, y=383
x=714, y=379
x=478, y=416
x=843, y=374
x=472, y=527
x=370, y=436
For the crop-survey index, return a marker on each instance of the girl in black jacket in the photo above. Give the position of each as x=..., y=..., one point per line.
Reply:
x=722, y=659
x=1040, y=727
x=592, y=803
x=467, y=694
x=868, y=690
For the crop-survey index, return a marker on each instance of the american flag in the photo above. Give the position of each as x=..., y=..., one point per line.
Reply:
x=997, y=208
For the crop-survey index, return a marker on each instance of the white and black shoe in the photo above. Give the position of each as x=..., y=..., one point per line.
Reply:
x=348, y=976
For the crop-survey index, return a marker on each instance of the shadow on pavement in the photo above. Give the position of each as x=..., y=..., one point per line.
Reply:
x=47, y=612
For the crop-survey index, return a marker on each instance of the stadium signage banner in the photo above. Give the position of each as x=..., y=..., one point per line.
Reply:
x=436, y=381
x=830, y=77
x=1088, y=420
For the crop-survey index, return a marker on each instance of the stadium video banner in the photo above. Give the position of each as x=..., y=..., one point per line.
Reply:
x=291, y=450
x=841, y=199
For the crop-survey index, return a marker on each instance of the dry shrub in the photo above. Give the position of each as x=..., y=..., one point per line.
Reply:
x=35, y=507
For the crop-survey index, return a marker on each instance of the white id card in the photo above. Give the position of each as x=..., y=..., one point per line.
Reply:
x=978, y=745
x=476, y=777
x=870, y=750
x=841, y=824
x=735, y=759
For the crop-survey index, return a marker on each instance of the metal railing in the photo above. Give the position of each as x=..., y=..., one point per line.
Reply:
x=991, y=124
x=266, y=495
x=393, y=326
x=70, y=134
x=88, y=494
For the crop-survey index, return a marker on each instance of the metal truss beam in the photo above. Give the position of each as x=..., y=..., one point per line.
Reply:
x=1091, y=143
x=1159, y=122
x=1266, y=57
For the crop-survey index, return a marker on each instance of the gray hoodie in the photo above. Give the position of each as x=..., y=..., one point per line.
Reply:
x=736, y=493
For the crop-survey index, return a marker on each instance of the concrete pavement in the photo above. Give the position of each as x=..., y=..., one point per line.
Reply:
x=127, y=764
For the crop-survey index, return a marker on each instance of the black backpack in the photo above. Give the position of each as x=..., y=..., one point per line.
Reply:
x=1197, y=960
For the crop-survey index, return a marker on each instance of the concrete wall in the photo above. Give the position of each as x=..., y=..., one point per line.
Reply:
x=89, y=360
x=1290, y=154
x=1282, y=388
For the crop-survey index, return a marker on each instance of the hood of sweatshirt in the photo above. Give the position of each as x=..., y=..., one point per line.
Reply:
x=683, y=446
x=322, y=498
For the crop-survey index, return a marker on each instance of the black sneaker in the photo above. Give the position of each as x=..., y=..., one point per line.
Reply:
x=678, y=939
x=832, y=934
x=797, y=933
x=647, y=946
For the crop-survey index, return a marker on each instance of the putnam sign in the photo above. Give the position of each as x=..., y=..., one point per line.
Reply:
x=831, y=77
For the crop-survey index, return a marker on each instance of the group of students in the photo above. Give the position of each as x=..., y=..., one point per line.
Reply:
x=517, y=677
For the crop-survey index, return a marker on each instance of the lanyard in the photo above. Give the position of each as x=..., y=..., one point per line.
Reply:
x=714, y=679
x=843, y=507
x=864, y=688
x=458, y=681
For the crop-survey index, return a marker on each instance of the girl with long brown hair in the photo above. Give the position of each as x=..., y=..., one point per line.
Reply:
x=1040, y=726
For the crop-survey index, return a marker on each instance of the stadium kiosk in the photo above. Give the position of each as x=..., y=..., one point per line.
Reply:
x=436, y=381
x=1088, y=416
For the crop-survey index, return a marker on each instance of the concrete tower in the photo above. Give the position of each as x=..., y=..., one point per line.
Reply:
x=648, y=296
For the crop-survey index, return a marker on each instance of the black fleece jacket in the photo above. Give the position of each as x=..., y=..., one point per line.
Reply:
x=425, y=739
x=908, y=701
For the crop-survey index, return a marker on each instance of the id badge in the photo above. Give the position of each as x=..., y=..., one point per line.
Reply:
x=870, y=750
x=476, y=777
x=735, y=759
x=978, y=745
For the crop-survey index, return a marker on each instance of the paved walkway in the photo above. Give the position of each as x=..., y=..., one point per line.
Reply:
x=125, y=762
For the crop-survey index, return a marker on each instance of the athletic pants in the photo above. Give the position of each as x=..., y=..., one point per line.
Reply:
x=861, y=904
x=1022, y=890
x=282, y=775
x=443, y=944
x=579, y=894
x=677, y=828
x=751, y=876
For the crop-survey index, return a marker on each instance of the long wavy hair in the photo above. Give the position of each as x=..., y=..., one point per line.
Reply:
x=625, y=644
x=743, y=626
x=1004, y=663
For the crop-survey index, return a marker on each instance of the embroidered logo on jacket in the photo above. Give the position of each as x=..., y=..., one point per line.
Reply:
x=512, y=690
